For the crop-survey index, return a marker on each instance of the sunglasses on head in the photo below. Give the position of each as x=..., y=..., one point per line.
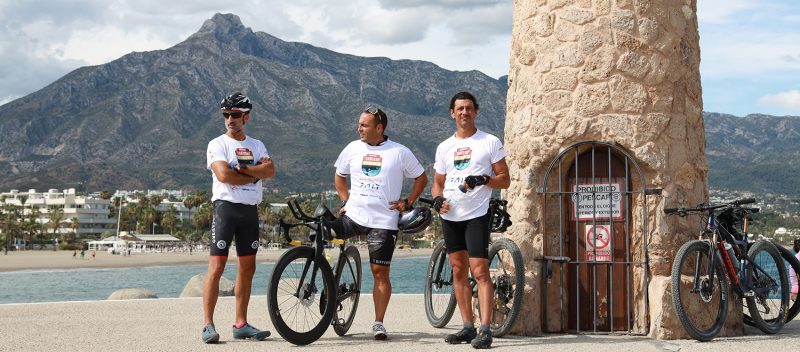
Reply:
x=377, y=112
x=234, y=115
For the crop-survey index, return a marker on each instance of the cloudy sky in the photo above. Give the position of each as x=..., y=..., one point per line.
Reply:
x=750, y=48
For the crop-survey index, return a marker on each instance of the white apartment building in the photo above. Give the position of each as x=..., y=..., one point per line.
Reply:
x=92, y=214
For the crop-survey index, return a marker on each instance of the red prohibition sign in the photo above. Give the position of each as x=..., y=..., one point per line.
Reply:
x=599, y=241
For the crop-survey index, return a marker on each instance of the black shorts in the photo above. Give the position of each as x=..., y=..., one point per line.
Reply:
x=470, y=235
x=379, y=241
x=234, y=221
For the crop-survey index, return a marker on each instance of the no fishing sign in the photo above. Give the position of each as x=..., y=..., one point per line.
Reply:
x=598, y=247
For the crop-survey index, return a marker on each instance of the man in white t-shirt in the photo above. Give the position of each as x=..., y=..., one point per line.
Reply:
x=468, y=166
x=238, y=163
x=376, y=167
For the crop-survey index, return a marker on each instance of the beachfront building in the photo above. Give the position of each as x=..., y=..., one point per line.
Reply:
x=85, y=216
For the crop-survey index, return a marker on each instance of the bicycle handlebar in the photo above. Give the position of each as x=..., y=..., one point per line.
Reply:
x=708, y=207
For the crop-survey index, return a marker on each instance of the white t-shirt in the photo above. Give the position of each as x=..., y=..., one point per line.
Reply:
x=458, y=158
x=233, y=152
x=376, y=178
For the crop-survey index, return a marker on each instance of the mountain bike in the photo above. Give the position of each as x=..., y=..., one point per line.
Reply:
x=704, y=268
x=304, y=295
x=506, y=269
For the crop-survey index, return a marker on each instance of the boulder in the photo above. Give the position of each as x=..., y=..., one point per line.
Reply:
x=194, y=288
x=132, y=293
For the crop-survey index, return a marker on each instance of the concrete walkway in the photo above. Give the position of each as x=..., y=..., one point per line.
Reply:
x=175, y=325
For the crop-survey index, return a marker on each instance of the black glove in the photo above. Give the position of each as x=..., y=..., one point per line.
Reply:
x=475, y=181
x=437, y=203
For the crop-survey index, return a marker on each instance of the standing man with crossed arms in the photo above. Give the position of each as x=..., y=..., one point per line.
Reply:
x=475, y=161
x=238, y=163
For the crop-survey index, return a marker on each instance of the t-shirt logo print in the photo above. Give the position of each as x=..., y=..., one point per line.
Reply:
x=462, y=158
x=371, y=164
x=245, y=156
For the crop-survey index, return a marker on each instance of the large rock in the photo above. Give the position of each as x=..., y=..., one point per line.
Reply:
x=194, y=288
x=132, y=293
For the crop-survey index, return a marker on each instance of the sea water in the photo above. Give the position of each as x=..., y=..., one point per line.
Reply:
x=30, y=286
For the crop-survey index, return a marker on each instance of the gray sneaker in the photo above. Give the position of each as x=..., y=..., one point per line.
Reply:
x=379, y=332
x=249, y=332
x=210, y=334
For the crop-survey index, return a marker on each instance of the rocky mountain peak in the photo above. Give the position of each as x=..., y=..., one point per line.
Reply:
x=223, y=26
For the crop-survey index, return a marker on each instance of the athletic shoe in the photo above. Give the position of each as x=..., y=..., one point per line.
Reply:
x=464, y=336
x=483, y=340
x=249, y=332
x=210, y=334
x=379, y=332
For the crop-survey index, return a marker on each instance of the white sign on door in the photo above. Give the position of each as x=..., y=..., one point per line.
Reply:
x=597, y=201
x=598, y=238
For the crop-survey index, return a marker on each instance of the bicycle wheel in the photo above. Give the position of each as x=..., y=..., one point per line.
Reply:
x=296, y=305
x=793, y=270
x=348, y=289
x=701, y=302
x=770, y=304
x=794, y=276
x=440, y=302
x=508, y=279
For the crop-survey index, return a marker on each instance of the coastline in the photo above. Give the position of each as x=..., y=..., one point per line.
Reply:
x=40, y=260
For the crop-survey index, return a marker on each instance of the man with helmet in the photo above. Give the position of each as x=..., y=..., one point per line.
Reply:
x=238, y=163
x=468, y=166
x=376, y=167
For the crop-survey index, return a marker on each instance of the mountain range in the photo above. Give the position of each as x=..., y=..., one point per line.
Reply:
x=143, y=121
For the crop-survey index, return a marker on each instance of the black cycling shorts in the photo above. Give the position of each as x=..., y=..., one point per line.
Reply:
x=379, y=241
x=470, y=235
x=234, y=221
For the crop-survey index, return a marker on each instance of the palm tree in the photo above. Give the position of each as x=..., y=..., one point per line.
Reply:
x=169, y=219
x=55, y=215
x=9, y=223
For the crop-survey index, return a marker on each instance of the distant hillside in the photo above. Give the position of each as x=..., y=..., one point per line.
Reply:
x=758, y=153
x=143, y=120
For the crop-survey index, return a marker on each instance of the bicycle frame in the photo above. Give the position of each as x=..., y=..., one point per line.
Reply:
x=314, y=223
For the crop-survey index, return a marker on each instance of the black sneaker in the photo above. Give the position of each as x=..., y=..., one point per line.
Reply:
x=465, y=335
x=483, y=340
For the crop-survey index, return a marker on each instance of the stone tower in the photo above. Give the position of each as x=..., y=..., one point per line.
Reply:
x=625, y=72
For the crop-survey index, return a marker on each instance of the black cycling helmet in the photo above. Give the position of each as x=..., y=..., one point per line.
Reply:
x=236, y=101
x=415, y=220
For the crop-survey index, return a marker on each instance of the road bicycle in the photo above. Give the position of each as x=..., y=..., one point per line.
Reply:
x=705, y=268
x=305, y=296
x=506, y=269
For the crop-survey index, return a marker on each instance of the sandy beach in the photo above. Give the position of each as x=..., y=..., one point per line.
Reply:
x=32, y=260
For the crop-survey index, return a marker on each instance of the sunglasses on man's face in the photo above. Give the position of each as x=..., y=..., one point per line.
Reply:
x=233, y=115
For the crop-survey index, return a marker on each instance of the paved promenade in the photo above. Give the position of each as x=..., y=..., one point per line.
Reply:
x=175, y=324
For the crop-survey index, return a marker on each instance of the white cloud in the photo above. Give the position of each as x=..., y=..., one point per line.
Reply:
x=103, y=44
x=789, y=100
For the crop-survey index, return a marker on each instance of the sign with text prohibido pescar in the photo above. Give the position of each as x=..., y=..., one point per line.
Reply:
x=597, y=201
x=598, y=247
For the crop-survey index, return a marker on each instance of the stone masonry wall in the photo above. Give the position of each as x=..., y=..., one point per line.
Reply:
x=619, y=71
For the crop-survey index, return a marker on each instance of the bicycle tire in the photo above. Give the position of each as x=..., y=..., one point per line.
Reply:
x=791, y=262
x=769, y=259
x=286, y=304
x=509, y=285
x=440, y=300
x=789, y=258
x=348, y=282
x=694, y=255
